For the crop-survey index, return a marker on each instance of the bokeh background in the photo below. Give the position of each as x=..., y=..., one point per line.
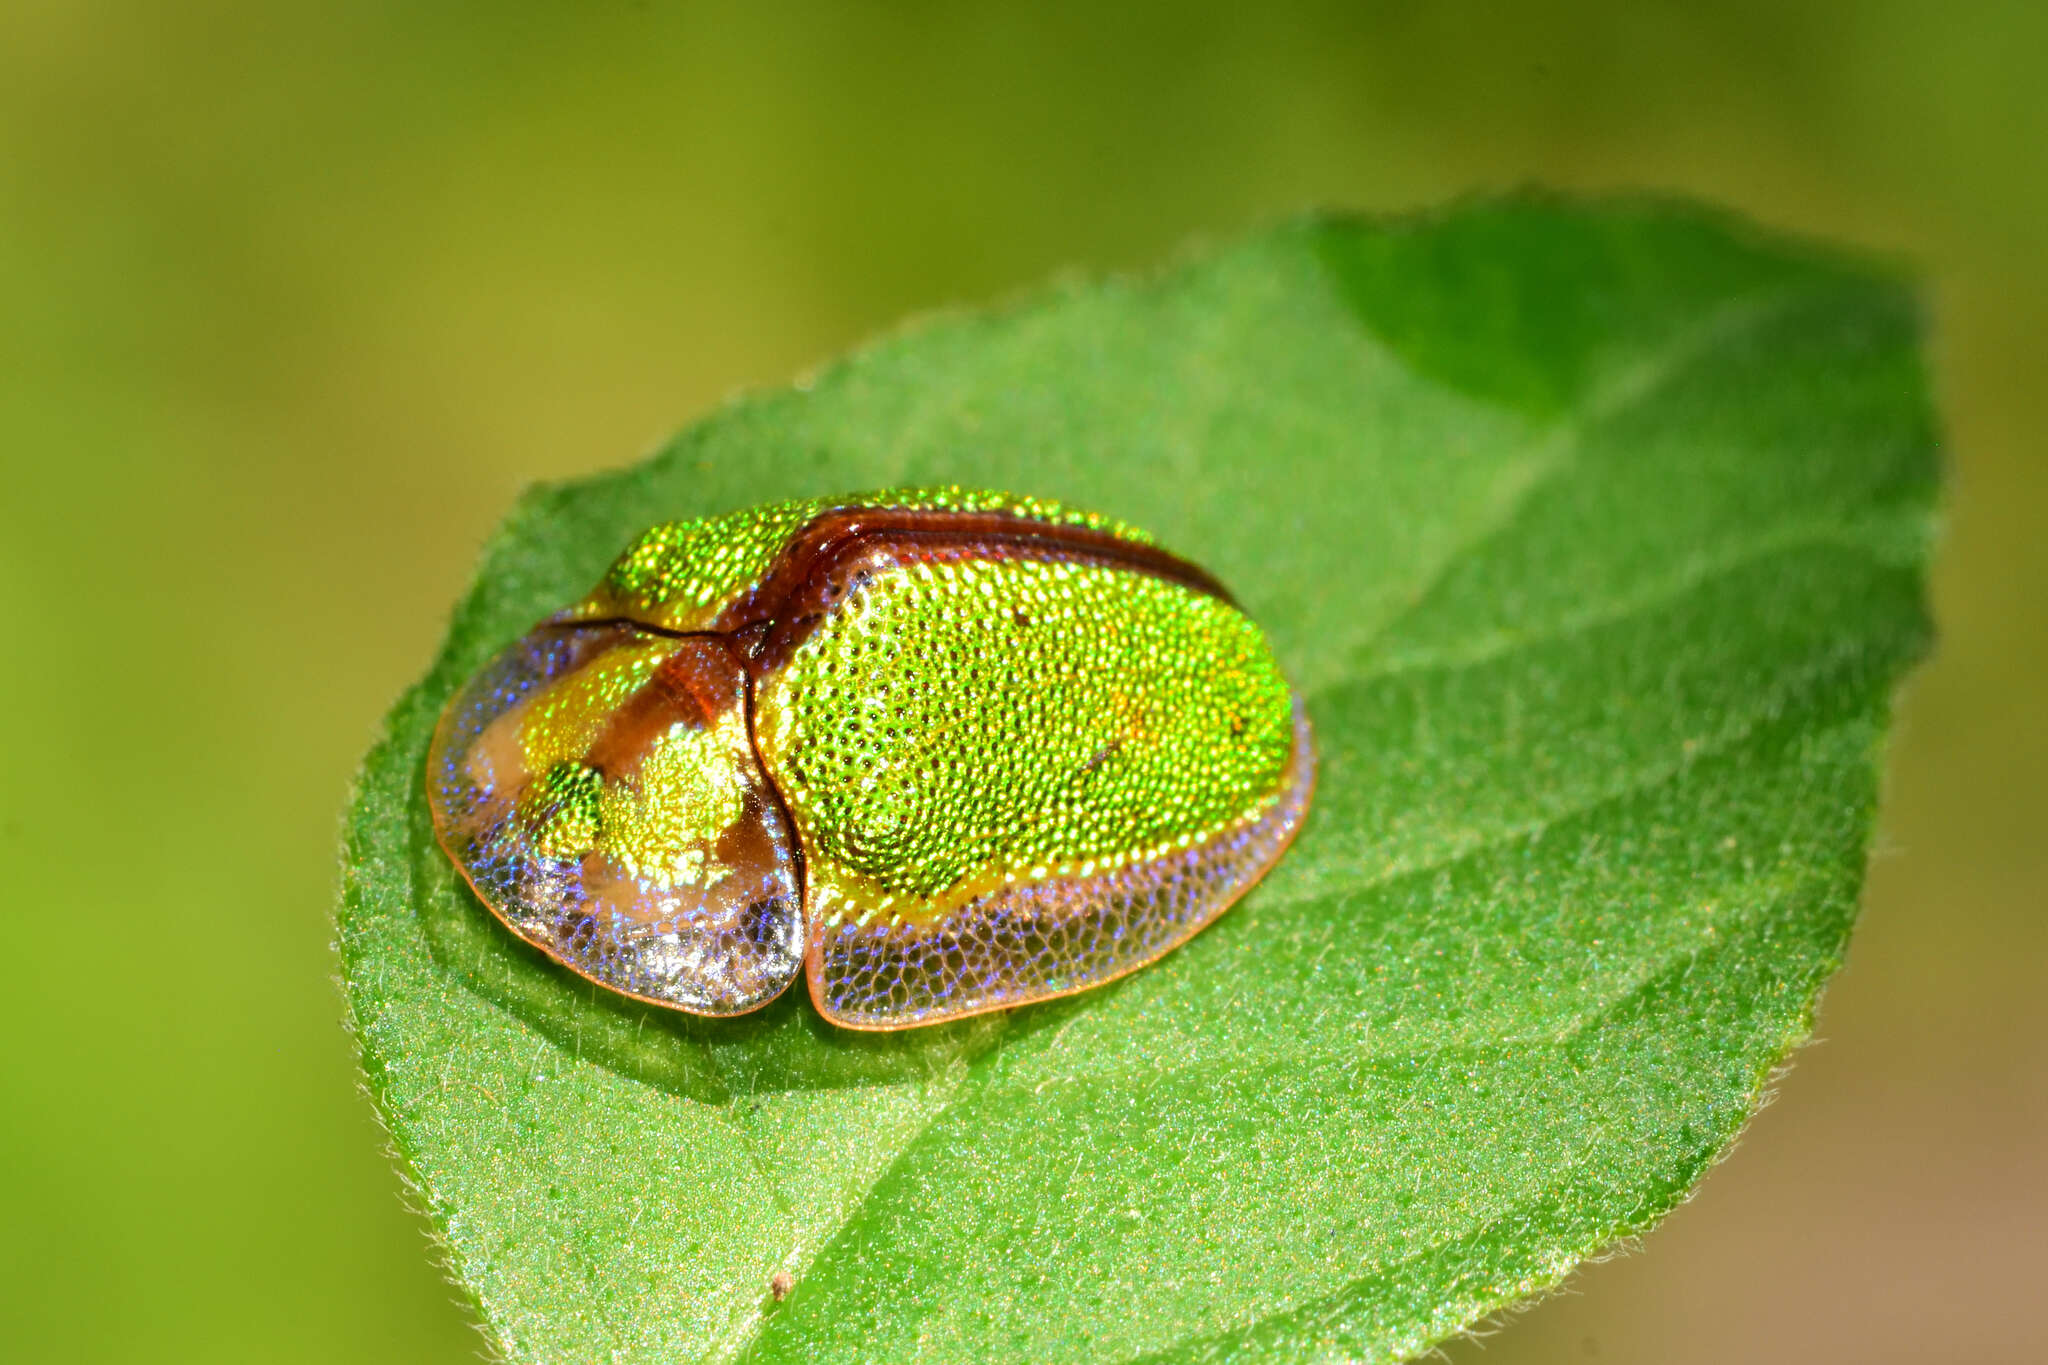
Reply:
x=293, y=299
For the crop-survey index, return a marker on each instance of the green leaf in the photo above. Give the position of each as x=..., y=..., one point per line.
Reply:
x=1593, y=534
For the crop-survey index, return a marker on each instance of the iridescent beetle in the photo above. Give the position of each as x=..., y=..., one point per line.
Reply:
x=946, y=751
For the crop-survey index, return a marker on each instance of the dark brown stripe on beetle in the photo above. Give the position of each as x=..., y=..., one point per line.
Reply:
x=794, y=595
x=696, y=685
x=832, y=535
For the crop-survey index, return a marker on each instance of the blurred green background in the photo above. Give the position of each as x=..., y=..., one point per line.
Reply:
x=293, y=301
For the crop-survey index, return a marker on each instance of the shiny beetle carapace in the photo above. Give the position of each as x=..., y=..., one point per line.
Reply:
x=946, y=751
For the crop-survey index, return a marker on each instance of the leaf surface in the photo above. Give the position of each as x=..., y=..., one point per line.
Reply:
x=1594, y=535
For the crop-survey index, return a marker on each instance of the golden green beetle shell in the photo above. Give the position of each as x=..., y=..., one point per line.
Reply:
x=942, y=750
